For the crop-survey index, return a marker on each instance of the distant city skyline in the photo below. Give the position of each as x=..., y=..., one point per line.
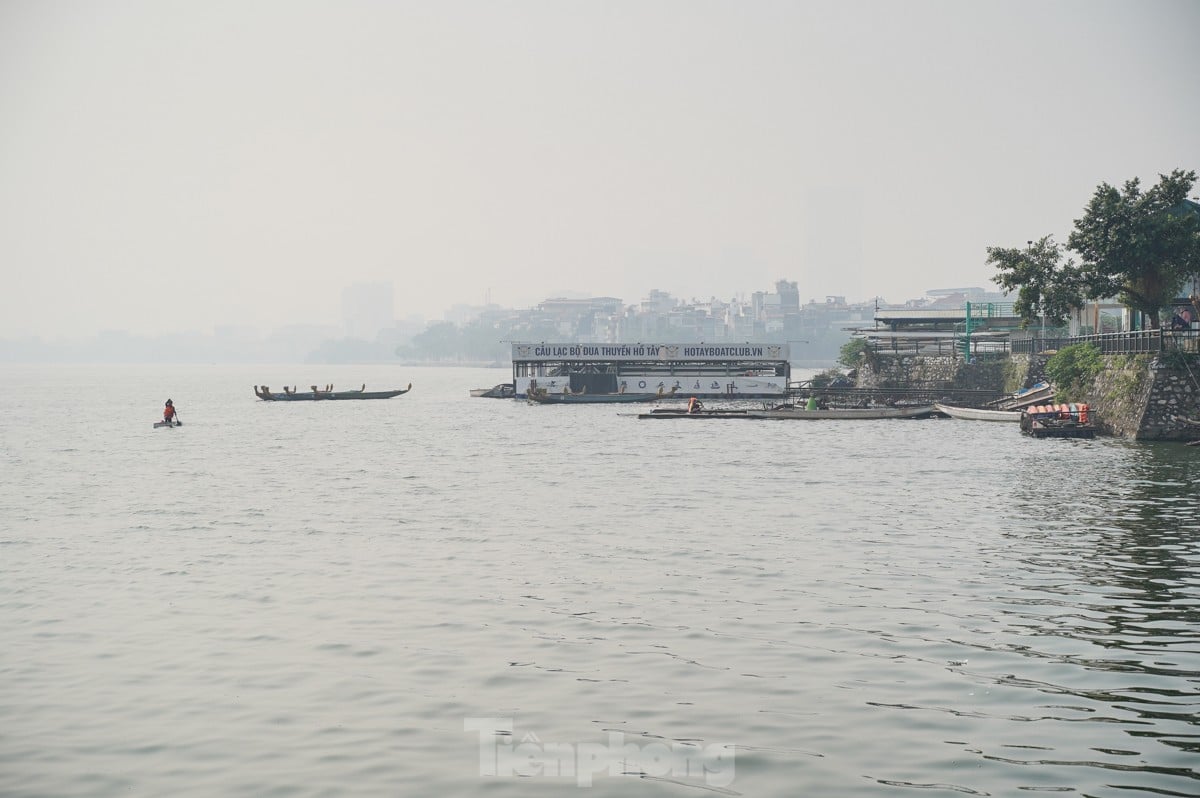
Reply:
x=168, y=167
x=369, y=334
x=358, y=314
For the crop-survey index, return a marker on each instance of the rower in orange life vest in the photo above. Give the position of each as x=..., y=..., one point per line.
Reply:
x=169, y=412
x=694, y=405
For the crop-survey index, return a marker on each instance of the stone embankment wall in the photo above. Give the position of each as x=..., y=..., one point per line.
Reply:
x=909, y=371
x=1148, y=398
x=1024, y=371
x=1174, y=400
x=1135, y=396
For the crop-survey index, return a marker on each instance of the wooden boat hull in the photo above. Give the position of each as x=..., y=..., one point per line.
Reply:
x=1042, y=429
x=782, y=414
x=1061, y=421
x=322, y=396
x=978, y=414
x=847, y=413
x=681, y=412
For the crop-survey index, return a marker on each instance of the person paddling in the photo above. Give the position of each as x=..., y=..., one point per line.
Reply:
x=169, y=412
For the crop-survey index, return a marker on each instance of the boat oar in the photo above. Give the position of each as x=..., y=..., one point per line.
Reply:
x=175, y=418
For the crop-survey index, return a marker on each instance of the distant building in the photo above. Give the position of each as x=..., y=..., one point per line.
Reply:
x=789, y=296
x=368, y=309
x=465, y=314
x=592, y=319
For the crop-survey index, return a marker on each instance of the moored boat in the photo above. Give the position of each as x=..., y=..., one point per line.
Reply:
x=316, y=394
x=799, y=413
x=849, y=413
x=978, y=413
x=682, y=412
x=1039, y=393
x=505, y=390
x=1058, y=421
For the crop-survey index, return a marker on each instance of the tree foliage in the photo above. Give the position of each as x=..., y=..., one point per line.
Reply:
x=447, y=341
x=830, y=378
x=1139, y=246
x=1072, y=370
x=1043, y=282
x=852, y=352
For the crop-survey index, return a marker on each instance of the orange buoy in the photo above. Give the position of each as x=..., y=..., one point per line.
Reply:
x=1083, y=414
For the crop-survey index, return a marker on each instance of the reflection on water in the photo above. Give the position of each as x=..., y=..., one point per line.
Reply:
x=1109, y=606
x=322, y=599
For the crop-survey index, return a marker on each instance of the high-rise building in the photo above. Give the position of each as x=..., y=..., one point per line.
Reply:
x=789, y=296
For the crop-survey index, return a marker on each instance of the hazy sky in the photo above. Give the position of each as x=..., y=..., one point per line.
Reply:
x=168, y=166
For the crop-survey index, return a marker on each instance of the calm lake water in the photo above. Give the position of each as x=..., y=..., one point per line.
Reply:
x=439, y=595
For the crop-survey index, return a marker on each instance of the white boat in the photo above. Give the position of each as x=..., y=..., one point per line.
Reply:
x=978, y=414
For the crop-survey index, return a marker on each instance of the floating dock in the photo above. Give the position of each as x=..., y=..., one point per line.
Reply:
x=706, y=371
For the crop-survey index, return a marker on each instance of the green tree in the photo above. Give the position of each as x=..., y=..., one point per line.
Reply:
x=439, y=341
x=1072, y=370
x=851, y=353
x=485, y=341
x=1043, y=282
x=1139, y=246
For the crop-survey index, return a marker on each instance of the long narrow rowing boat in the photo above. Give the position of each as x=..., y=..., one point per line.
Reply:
x=856, y=413
x=315, y=394
x=797, y=413
x=682, y=412
x=978, y=414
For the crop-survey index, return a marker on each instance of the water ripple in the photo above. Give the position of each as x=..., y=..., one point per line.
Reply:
x=312, y=601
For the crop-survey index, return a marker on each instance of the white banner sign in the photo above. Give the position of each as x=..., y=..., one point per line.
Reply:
x=532, y=353
x=683, y=385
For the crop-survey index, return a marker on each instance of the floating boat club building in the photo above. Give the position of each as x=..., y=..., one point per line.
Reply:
x=731, y=371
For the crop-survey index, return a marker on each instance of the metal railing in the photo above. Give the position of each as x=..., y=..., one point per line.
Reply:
x=1121, y=343
x=938, y=346
x=992, y=310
